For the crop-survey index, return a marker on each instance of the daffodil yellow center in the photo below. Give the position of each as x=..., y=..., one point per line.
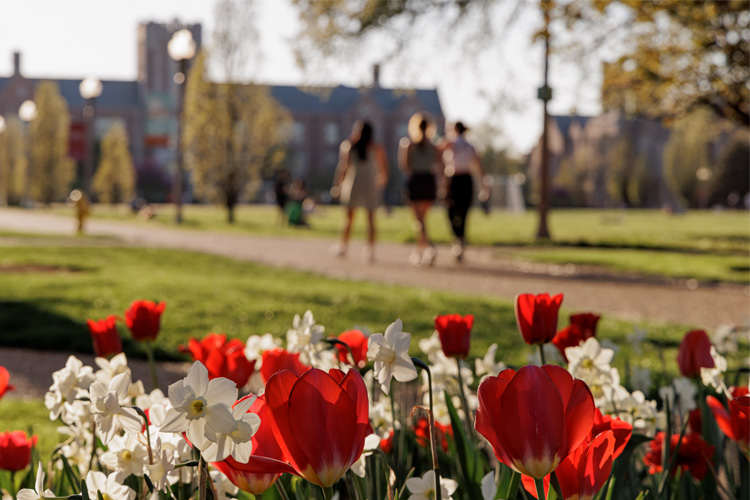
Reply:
x=430, y=494
x=127, y=455
x=197, y=407
x=105, y=496
x=587, y=364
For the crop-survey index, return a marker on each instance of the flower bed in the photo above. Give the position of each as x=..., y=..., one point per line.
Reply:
x=356, y=417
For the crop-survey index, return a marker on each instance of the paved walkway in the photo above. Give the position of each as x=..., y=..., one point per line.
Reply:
x=585, y=289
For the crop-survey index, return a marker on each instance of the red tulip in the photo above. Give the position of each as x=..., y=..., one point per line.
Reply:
x=733, y=422
x=536, y=316
x=222, y=358
x=583, y=473
x=5, y=387
x=694, y=353
x=357, y=342
x=15, y=450
x=320, y=421
x=278, y=359
x=455, y=334
x=422, y=433
x=742, y=404
x=582, y=326
x=535, y=417
x=621, y=430
x=386, y=444
x=143, y=319
x=105, y=337
x=265, y=464
x=693, y=455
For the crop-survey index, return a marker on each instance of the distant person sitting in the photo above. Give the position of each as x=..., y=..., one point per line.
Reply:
x=281, y=190
x=294, y=207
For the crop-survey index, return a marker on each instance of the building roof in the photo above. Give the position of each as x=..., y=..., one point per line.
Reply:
x=115, y=93
x=341, y=98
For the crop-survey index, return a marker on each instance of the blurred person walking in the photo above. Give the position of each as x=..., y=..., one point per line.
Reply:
x=460, y=160
x=362, y=174
x=421, y=161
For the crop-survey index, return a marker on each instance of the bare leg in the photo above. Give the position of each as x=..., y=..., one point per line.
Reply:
x=346, y=232
x=371, y=228
x=420, y=212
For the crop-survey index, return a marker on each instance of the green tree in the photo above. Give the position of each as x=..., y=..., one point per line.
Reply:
x=114, y=180
x=232, y=132
x=52, y=170
x=13, y=160
x=733, y=174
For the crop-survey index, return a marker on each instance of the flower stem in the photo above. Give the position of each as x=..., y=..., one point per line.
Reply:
x=540, y=487
x=281, y=490
x=202, y=478
x=541, y=354
x=328, y=492
x=151, y=364
x=433, y=433
x=464, y=401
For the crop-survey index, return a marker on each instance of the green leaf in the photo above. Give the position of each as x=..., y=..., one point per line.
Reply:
x=469, y=457
x=84, y=491
x=149, y=484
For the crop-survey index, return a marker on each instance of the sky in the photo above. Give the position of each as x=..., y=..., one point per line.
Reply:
x=78, y=38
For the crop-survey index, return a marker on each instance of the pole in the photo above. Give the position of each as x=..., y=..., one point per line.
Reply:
x=545, y=93
x=88, y=164
x=26, y=201
x=177, y=193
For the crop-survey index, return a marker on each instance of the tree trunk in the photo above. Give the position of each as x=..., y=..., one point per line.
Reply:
x=230, y=211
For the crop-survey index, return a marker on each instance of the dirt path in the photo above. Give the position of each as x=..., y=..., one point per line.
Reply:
x=482, y=273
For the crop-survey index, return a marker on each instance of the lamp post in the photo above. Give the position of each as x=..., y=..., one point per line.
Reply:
x=181, y=48
x=90, y=88
x=27, y=113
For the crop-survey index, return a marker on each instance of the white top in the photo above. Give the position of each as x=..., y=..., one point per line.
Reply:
x=459, y=157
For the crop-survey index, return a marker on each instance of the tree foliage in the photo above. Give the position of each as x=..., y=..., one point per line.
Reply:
x=732, y=174
x=52, y=170
x=114, y=180
x=231, y=132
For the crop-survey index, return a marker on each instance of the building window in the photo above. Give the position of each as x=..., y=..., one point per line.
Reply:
x=331, y=133
x=298, y=132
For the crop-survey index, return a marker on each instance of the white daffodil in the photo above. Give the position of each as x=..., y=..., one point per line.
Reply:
x=256, y=345
x=431, y=346
x=71, y=382
x=725, y=339
x=304, y=332
x=381, y=417
x=107, y=407
x=589, y=361
x=489, y=488
x=487, y=364
x=423, y=488
x=37, y=493
x=680, y=395
x=126, y=456
x=390, y=353
x=163, y=464
x=110, y=368
x=714, y=377
x=235, y=438
x=372, y=442
x=223, y=485
x=198, y=404
x=109, y=486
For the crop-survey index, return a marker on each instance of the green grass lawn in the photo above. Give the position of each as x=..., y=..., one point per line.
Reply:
x=46, y=302
x=708, y=246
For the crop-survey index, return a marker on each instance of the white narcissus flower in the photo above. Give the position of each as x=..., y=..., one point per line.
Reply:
x=431, y=345
x=126, y=456
x=235, y=438
x=108, y=411
x=714, y=377
x=256, y=345
x=163, y=464
x=489, y=488
x=199, y=404
x=304, y=332
x=110, y=368
x=680, y=395
x=487, y=364
x=589, y=361
x=372, y=442
x=109, y=486
x=224, y=487
x=390, y=353
x=37, y=493
x=71, y=382
x=424, y=488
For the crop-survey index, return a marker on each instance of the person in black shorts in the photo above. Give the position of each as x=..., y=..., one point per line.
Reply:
x=420, y=160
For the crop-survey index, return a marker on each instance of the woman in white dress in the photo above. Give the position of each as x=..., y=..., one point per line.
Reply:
x=361, y=176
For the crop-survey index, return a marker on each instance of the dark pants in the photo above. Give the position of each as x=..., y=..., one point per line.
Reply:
x=460, y=194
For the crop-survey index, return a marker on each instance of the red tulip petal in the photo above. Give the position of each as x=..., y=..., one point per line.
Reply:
x=723, y=417
x=278, y=389
x=488, y=411
x=531, y=404
x=596, y=464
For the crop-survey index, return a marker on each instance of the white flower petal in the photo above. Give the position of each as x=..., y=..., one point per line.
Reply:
x=197, y=378
x=221, y=390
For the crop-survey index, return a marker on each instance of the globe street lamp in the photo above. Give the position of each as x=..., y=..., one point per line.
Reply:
x=27, y=113
x=90, y=88
x=181, y=48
